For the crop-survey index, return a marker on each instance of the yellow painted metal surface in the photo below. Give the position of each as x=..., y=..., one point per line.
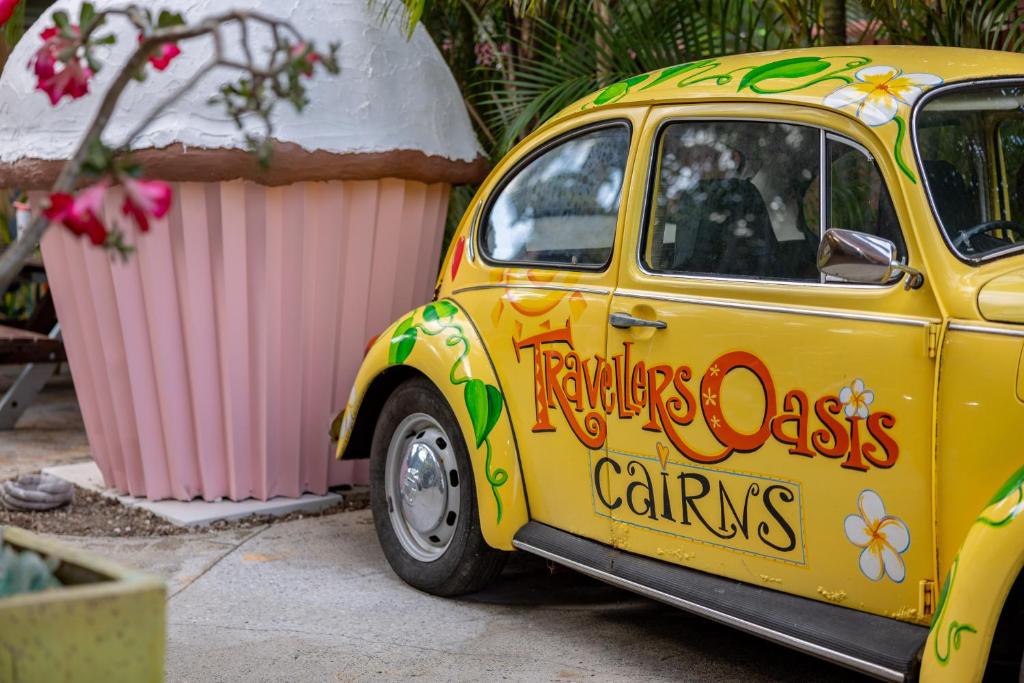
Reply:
x=978, y=579
x=105, y=625
x=758, y=472
x=978, y=427
x=732, y=441
x=441, y=342
x=1002, y=298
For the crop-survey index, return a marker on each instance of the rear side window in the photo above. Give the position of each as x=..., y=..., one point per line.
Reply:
x=561, y=206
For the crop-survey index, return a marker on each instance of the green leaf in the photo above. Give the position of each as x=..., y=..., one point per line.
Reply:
x=168, y=19
x=15, y=26
x=617, y=91
x=402, y=342
x=676, y=70
x=105, y=40
x=796, y=67
x=61, y=20
x=87, y=15
x=439, y=310
x=484, y=402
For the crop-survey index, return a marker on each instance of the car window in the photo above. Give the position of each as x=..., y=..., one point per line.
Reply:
x=858, y=199
x=562, y=205
x=1011, y=142
x=735, y=198
x=743, y=199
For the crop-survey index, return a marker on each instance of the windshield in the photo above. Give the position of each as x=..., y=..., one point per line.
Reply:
x=970, y=143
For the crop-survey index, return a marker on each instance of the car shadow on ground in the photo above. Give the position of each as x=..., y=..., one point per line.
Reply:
x=706, y=650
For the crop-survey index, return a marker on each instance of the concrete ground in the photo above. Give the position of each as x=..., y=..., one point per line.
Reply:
x=49, y=433
x=315, y=600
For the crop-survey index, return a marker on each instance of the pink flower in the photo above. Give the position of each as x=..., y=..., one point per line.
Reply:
x=145, y=198
x=72, y=79
x=163, y=55
x=45, y=59
x=299, y=52
x=7, y=8
x=80, y=214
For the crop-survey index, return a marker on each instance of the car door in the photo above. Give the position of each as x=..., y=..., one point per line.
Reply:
x=538, y=289
x=772, y=426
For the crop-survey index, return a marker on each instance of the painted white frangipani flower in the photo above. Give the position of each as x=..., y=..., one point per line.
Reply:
x=879, y=91
x=884, y=538
x=856, y=399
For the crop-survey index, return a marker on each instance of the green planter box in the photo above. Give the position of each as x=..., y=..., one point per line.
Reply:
x=105, y=624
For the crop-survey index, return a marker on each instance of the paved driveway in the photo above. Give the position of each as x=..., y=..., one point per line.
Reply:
x=314, y=600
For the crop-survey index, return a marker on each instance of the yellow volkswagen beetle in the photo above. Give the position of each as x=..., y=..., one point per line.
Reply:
x=743, y=335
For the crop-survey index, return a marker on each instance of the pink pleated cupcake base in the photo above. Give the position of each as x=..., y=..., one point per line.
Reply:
x=210, y=363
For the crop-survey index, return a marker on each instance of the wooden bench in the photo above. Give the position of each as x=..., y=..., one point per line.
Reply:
x=18, y=347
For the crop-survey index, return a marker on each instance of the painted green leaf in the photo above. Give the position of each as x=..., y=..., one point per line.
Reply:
x=402, y=342
x=617, y=91
x=676, y=70
x=484, y=402
x=795, y=67
x=439, y=310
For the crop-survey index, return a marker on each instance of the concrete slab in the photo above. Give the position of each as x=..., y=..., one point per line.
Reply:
x=314, y=599
x=179, y=560
x=202, y=513
x=84, y=475
x=195, y=512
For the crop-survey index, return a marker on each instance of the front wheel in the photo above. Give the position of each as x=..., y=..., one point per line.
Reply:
x=423, y=497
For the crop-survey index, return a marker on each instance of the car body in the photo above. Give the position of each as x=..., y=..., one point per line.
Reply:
x=651, y=347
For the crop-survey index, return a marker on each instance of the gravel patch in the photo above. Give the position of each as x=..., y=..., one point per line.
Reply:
x=91, y=514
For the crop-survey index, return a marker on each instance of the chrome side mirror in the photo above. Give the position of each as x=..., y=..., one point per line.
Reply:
x=858, y=257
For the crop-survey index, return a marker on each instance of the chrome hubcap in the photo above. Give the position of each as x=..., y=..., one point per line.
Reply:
x=422, y=484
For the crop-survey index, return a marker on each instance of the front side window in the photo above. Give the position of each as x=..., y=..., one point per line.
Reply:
x=743, y=199
x=561, y=207
x=736, y=198
x=970, y=145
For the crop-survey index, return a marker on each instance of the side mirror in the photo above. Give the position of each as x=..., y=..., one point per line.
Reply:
x=858, y=257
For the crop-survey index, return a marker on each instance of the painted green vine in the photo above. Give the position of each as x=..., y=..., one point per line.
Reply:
x=1013, y=485
x=1012, y=489
x=789, y=75
x=484, y=402
x=955, y=629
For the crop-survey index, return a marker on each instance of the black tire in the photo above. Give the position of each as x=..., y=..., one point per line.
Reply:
x=468, y=563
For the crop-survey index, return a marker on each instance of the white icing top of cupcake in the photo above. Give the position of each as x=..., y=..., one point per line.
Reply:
x=393, y=93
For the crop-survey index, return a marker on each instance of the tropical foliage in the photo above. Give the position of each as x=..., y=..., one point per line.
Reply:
x=520, y=61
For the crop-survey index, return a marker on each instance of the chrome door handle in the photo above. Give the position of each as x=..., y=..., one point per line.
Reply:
x=624, y=321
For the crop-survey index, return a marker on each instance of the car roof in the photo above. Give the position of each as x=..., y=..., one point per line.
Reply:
x=800, y=76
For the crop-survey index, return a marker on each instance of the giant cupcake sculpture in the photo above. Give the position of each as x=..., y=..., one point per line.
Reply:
x=210, y=362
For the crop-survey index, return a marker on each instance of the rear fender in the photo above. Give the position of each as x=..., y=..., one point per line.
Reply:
x=438, y=341
x=975, y=589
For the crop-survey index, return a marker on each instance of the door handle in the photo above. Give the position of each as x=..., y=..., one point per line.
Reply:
x=624, y=321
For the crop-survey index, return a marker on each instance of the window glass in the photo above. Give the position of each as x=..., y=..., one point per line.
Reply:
x=736, y=198
x=858, y=199
x=970, y=144
x=1011, y=142
x=562, y=206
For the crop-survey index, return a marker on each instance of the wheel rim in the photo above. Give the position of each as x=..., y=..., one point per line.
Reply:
x=421, y=480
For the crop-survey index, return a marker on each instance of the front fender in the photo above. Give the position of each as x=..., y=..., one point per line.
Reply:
x=976, y=586
x=439, y=341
